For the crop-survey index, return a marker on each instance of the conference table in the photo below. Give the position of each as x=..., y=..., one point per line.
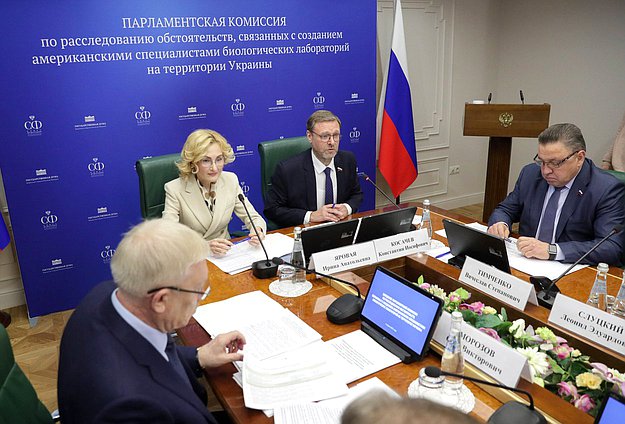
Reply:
x=311, y=308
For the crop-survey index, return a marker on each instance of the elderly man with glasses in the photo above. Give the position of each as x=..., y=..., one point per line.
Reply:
x=118, y=361
x=564, y=204
x=319, y=184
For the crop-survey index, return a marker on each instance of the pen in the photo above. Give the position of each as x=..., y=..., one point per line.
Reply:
x=442, y=254
x=333, y=204
x=241, y=241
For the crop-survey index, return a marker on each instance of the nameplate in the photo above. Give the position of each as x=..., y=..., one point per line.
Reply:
x=498, y=284
x=487, y=354
x=402, y=244
x=344, y=258
x=589, y=322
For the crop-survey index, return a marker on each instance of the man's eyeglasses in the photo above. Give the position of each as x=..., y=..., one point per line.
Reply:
x=326, y=137
x=204, y=293
x=553, y=164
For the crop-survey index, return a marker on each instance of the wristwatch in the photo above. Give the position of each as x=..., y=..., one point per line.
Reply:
x=553, y=251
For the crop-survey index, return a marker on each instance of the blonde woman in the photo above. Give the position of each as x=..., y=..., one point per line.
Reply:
x=205, y=196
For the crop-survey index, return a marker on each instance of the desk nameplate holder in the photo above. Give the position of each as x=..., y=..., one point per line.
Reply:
x=589, y=322
x=498, y=284
x=490, y=356
x=371, y=252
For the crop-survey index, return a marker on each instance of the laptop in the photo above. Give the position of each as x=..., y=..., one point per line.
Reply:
x=385, y=224
x=399, y=315
x=612, y=410
x=328, y=236
x=466, y=241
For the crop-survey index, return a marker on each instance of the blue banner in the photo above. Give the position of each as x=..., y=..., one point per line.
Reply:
x=89, y=87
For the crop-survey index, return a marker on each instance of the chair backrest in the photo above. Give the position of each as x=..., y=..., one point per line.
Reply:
x=618, y=174
x=18, y=400
x=274, y=151
x=153, y=173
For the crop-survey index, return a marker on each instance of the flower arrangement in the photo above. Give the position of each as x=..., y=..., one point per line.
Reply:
x=553, y=363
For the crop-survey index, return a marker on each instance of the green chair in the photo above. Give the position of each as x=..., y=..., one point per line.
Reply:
x=18, y=400
x=271, y=153
x=618, y=174
x=153, y=173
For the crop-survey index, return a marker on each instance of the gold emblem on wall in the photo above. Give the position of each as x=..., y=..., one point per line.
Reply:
x=506, y=119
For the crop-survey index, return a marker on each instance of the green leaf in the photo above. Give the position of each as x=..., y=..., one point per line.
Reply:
x=555, y=367
x=487, y=321
x=504, y=314
x=469, y=316
x=576, y=369
x=420, y=280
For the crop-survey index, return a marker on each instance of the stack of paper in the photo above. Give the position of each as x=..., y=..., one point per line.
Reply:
x=242, y=255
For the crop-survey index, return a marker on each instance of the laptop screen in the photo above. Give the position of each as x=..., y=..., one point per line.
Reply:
x=401, y=311
x=385, y=224
x=481, y=246
x=328, y=236
x=612, y=411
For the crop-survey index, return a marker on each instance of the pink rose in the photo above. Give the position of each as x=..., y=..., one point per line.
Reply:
x=476, y=307
x=567, y=389
x=584, y=403
x=491, y=332
x=454, y=298
x=425, y=286
x=563, y=351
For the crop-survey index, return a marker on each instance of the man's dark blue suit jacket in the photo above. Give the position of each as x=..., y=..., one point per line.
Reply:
x=593, y=207
x=109, y=373
x=293, y=189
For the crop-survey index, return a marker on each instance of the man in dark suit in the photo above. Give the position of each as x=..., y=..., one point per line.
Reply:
x=318, y=185
x=564, y=204
x=118, y=362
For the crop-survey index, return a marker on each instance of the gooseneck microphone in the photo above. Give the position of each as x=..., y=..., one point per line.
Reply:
x=490, y=97
x=522, y=97
x=263, y=268
x=548, y=288
x=366, y=178
x=343, y=310
x=510, y=412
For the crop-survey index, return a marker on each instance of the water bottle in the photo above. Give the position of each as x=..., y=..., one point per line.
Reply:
x=426, y=220
x=453, y=358
x=297, y=257
x=618, y=307
x=599, y=291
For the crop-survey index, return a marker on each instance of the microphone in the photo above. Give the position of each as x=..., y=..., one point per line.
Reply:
x=263, y=268
x=545, y=297
x=510, y=412
x=490, y=97
x=366, y=178
x=522, y=98
x=343, y=310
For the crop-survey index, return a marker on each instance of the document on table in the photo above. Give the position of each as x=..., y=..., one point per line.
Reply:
x=550, y=269
x=356, y=355
x=241, y=256
x=269, y=328
x=327, y=411
x=301, y=375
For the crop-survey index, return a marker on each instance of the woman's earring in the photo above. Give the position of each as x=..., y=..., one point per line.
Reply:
x=194, y=169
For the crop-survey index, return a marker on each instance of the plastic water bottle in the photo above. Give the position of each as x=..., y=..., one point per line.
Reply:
x=426, y=220
x=453, y=358
x=297, y=257
x=599, y=292
x=618, y=307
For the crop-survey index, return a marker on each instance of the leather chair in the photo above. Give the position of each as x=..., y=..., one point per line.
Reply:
x=271, y=153
x=19, y=402
x=153, y=173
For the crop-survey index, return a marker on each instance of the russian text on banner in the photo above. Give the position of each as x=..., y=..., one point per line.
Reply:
x=398, y=156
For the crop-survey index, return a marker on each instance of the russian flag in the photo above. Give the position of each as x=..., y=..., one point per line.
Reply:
x=397, y=158
x=4, y=234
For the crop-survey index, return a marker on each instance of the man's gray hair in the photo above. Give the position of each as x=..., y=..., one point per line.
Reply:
x=155, y=253
x=321, y=116
x=569, y=134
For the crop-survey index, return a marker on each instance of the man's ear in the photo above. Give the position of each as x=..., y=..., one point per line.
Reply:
x=159, y=301
x=309, y=136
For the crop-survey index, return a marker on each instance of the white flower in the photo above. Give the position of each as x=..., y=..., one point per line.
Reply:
x=517, y=329
x=576, y=353
x=538, y=362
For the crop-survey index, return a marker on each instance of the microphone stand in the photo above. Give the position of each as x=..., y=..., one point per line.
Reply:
x=349, y=305
x=263, y=268
x=548, y=289
x=509, y=413
x=391, y=201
